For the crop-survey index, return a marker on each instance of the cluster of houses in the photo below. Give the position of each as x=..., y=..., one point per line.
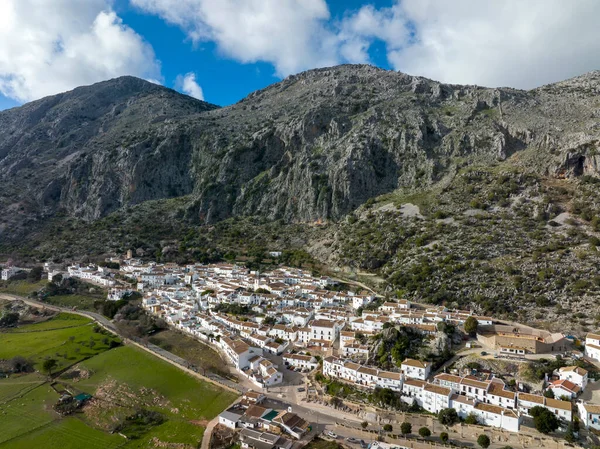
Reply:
x=485, y=397
x=295, y=315
x=262, y=427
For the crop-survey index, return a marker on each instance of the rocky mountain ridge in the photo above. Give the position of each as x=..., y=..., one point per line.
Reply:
x=311, y=148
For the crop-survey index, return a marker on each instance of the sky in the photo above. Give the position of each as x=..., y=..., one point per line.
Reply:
x=221, y=50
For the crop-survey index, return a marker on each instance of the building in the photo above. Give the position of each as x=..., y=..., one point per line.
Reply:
x=229, y=419
x=253, y=439
x=575, y=374
x=9, y=272
x=300, y=361
x=415, y=369
x=521, y=340
x=564, y=388
x=592, y=346
x=590, y=415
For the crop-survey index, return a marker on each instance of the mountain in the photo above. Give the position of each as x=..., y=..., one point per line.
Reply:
x=366, y=169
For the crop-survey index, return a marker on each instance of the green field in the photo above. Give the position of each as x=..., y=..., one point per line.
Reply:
x=22, y=288
x=192, y=350
x=122, y=381
x=65, y=338
x=81, y=302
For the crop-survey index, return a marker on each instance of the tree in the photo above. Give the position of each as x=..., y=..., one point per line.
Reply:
x=444, y=437
x=406, y=428
x=471, y=419
x=424, y=432
x=471, y=325
x=448, y=417
x=544, y=420
x=49, y=365
x=388, y=428
x=483, y=441
x=364, y=424
x=35, y=274
x=549, y=393
x=570, y=435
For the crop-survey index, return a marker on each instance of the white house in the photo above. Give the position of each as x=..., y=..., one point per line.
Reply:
x=300, y=361
x=416, y=369
x=323, y=330
x=575, y=374
x=9, y=272
x=590, y=415
x=229, y=419
x=592, y=346
x=564, y=388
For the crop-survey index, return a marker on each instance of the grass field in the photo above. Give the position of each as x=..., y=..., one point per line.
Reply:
x=22, y=288
x=19, y=385
x=66, y=338
x=81, y=302
x=137, y=378
x=190, y=403
x=196, y=352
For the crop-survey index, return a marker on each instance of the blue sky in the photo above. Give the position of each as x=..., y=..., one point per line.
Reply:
x=221, y=50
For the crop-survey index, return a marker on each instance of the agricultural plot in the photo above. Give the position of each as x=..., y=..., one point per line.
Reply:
x=128, y=379
x=134, y=394
x=65, y=338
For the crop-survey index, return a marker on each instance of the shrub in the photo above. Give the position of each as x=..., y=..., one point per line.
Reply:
x=406, y=428
x=388, y=428
x=483, y=441
x=424, y=432
x=444, y=437
x=448, y=416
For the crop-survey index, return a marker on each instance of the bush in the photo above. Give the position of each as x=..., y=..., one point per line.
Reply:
x=483, y=441
x=544, y=420
x=444, y=437
x=406, y=428
x=424, y=432
x=448, y=417
x=388, y=428
x=364, y=424
x=471, y=419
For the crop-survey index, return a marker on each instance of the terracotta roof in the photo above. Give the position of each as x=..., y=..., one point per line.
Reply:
x=415, y=363
x=415, y=383
x=498, y=390
x=536, y=398
x=437, y=389
x=474, y=383
x=448, y=378
x=565, y=384
x=573, y=369
x=556, y=403
x=594, y=336
x=592, y=408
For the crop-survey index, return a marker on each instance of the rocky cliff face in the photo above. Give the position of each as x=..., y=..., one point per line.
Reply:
x=312, y=147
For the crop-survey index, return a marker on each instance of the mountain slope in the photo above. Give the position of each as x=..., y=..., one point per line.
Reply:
x=88, y=151
x=312, y=147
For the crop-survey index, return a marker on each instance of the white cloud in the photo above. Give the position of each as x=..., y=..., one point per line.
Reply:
x=50, y=47
x=188, y=85
x=290, y=34
x=495, y=43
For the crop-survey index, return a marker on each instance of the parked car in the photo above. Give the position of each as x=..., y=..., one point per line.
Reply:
x=352, y=440
x=301, y=389
x=331, y=434
x=363, y=444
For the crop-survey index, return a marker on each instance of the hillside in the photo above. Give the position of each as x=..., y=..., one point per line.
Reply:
x=484, y=197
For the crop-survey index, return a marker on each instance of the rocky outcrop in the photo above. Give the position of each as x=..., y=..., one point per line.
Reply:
x=313, y=147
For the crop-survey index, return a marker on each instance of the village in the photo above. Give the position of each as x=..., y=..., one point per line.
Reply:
x=281, y=329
